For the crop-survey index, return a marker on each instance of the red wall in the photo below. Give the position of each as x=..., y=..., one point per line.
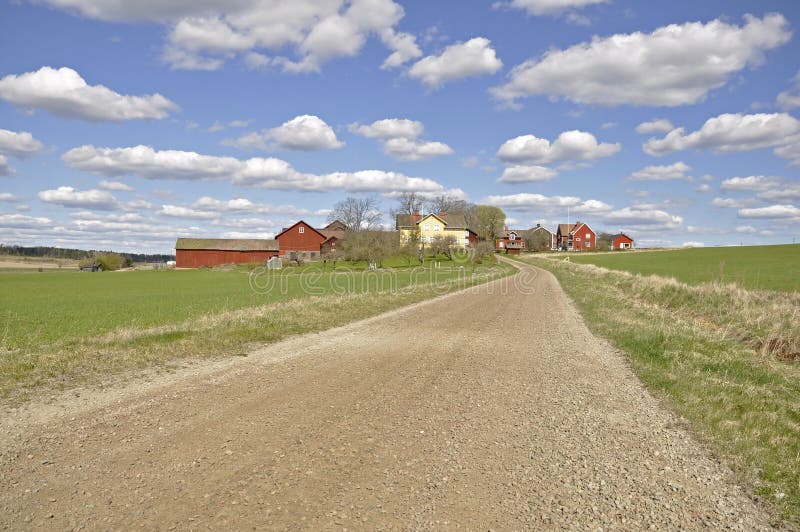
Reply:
x=294, y=240
x=581, y=245
x=194, y=258
x=620, y=239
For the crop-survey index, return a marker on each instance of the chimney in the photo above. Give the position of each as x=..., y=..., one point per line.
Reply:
x=538, y=225
x=416, y=216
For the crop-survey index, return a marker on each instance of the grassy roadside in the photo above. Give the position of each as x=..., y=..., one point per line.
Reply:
x=269, y=308
x=725, y=358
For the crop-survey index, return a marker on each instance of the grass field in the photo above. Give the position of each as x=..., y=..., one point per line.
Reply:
x=725, y=358
x=752, y=267
x=65, y=327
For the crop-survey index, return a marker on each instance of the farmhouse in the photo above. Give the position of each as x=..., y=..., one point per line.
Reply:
x=575, y=237
x=621, y=241
x=196, y=252
x=300, y=241
x=510, y=241
x=426, y=228
x=542, y=239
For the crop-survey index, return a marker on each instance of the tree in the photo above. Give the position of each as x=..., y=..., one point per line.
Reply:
x=444, y=245
x=371, y=246
x=603, y=242
x=488, y=221
x=358, y=214
x=537, y=240
x=407, y=203
x=448, y=203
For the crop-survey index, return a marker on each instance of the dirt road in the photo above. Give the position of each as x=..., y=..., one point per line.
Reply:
x=478, y=410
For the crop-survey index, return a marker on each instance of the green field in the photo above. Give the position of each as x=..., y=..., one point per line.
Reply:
x=752, y=267
x=56, y=327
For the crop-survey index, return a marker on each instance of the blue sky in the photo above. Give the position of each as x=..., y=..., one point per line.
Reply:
x=125, y=125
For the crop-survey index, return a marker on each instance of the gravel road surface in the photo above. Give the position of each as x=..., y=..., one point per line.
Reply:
x=492, y=408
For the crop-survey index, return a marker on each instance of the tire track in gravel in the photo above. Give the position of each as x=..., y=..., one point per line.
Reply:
x=469, y=411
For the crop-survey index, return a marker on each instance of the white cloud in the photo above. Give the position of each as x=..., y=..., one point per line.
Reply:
x=21, y=221
x=747, y=229
x=239, y=123
x=659, y=125
x=65, y=93
x=8, y=197
x=790, y=99
x=301, y=133
x=203, y=34
x=389, y=128
x=705, y=187
x=693, y=244
x=783, y=192
x=729, y=133
x=475, y=57
x=243, y=205
x=115, y=185
x=526, y=174
x=176, y=211
x=87, y=199
x=674, y=65
x=731, y=203
x=773, y=211
x=20, y=144
x=272, y=173
x=552, y=7
x=569, y=146
x=216, y=126
x=755, y=183
x=399, y=138
x=643, y=219
x=415, y=150
x=791, y=151
x=4, y=168
x=661, y=173
x=548, y=204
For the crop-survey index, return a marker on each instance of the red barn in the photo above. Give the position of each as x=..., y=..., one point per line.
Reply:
x=196, y=252
x=575, y=237
x=300, y=239
x=621, y=241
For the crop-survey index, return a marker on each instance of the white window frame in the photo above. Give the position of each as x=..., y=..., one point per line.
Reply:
x=588, y=236
x=301, y=229
x=427, y=227
x=436, y=227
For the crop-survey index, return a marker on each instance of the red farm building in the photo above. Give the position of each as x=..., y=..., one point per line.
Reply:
x=196, y=252
x=621, y=241
x=510, y=242
x=575, y=237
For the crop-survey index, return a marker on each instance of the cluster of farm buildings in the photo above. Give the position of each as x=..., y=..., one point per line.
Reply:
x=303, y=241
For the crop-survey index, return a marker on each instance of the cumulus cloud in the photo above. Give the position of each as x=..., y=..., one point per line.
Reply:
x=176, y=211
x=476, y=57
x=755, y=183
x=271, y=173
x=522, y=173
x=399, y=139
x=548, y=204
x=660, y=125
x=8, y=197
x=674, y=65
x=747, y=229
x=693, y=244
x=790, y=99
x=791, y=151
x=203, y=35
x=732, y=203
x=662, y=173
x=22, y=221
x=115, y=185
x=569, y=146
x=730, y=132
x=301, y=133
x=772, y=211
x=551, y=7
x=783, y=192
x=643, y=219
x=4, y=168
x=65, y=93
x=87, y=199
x=20, y=144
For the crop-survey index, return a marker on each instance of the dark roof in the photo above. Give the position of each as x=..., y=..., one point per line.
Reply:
x=298, y=223
x=453, y=220
x=540, y=227
x=336, y=233
x=621, y=234
x=336, y=225
x=227, y=244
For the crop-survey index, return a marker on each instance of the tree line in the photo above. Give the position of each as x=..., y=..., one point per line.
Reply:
x=52, y=252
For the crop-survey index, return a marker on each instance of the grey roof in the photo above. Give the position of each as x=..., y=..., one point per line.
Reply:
x=227, y=244
x=453, y=220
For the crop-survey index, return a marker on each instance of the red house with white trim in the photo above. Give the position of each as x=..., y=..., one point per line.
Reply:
x=621, y=241
x=510, y=242
x=576, y=237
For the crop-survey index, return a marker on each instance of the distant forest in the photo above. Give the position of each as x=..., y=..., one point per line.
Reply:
x=77, y=254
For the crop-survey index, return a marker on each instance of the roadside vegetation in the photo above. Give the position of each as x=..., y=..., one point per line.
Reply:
x=752, y=267
x=59, y=330
x=727, y=359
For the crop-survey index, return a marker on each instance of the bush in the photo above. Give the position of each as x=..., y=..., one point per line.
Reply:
x=108, y=261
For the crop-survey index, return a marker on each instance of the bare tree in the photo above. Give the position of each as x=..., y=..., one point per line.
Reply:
x=444, y=245
x=407, y=203
x=448, y=203
x=358, y=214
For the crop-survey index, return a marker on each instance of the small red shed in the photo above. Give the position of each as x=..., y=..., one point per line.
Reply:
x=621, y=241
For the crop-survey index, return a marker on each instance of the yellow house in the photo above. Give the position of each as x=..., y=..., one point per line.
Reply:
x=425, y=228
